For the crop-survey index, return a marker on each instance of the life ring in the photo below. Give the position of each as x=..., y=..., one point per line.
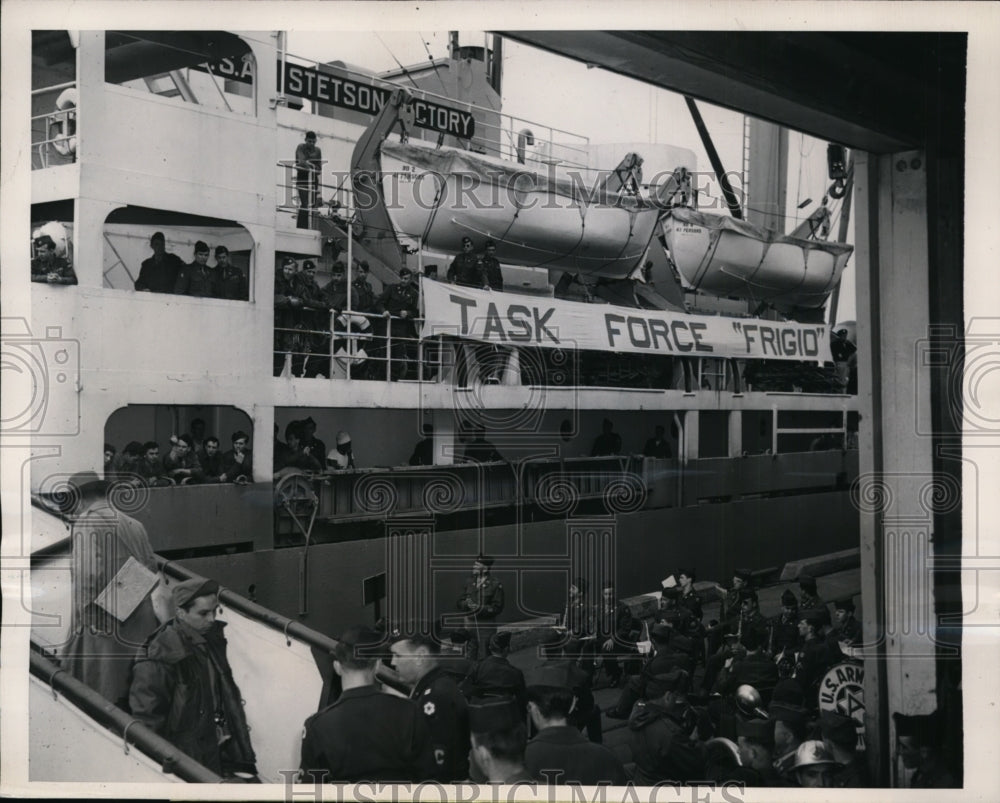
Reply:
x=62, y=128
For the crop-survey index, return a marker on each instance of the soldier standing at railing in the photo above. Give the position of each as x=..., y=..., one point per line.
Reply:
x=399, y=302
x=308, y=163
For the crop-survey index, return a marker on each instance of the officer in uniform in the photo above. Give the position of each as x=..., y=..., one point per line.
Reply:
x=783, y=629
x=846, y=629
x=466, y=269
x=366, y=735
x=400, y=304
x=49, y=268
x=416, y=657
x=482, y=602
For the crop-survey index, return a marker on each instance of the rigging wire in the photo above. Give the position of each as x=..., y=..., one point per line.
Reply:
x=430, y=58
x=401, y=67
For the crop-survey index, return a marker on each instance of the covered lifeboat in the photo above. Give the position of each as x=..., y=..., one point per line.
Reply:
x=440, y=195
x=727, y=257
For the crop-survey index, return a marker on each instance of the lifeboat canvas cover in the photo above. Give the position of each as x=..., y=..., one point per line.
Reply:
x=536, y=220
x=728, y=257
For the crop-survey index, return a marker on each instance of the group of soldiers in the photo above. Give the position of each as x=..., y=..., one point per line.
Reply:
x=755, y=721
x=306, y=316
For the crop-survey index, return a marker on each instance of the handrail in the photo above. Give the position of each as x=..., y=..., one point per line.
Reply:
x=172, y=759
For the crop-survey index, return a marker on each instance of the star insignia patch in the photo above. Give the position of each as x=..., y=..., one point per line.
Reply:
x=429, y=708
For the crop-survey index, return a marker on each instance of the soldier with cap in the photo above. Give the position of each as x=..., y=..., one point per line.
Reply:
x=791, y=724
x=482, y=601
x=232, y=283
x=660, y=730
x=310, y=442
x=813, y=765
x=783, y=629
x=288, y=324
x=756, y=743
x=840, y=736
x=198, y=278
x=416, y=657
x=846, y=630
x=688, y=597
x=495, y=675
x=47, y=266
x=308, y=165
x=499, y=737
x=366, y=735
x=466, y=269
x=559, y=753
x=399, y=303
x=102, y=643
x=814, y=655
x=183, y=686
x=671, y=651
x=158, y=273
x=492, y=273
x=918, y=742
x=809, y=598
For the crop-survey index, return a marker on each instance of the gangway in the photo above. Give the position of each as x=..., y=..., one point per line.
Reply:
x=284, y=671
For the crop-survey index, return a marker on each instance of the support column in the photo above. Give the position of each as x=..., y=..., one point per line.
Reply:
x=689, y=436
x=897, y=481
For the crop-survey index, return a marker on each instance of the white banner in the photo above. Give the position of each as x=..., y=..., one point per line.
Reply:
x=516, y=320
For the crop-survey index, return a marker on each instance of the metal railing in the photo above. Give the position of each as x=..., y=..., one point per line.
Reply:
x=53, y=134
x=557, y=487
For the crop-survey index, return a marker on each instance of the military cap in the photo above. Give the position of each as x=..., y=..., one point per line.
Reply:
x=788, y=691
x=492, y=714
x=676, y=680
x=811, y=753
x=201, y=247
x=84, y=481
x=757, y=730
x=814, y=616
x=419, y=633
x=405, y=272
x=549, y=676
x=748, y=595
x=788, y=712
x=221, y=249
x=288, y=261
x=838, y=728
x=45, y=240
x=188, y=590
x=788, y=599
x=844, y=604
x=308, y=265
x=486, y=560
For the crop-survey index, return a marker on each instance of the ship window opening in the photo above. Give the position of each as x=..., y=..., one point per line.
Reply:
x=51, y=243
x=134, y=260
x=53, y=99
x=165, y=445
x=211, y=69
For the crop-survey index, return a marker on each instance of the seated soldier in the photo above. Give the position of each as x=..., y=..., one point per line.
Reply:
x=150, y=467
x=49, y=268
x=670, y=652
x=181, y=463
x=237, y=463
x=617, y=632
x=752, y=666
x=211, y=461
x=659, y=733
x=499, y=738
x=495, y=676
x=297, y=456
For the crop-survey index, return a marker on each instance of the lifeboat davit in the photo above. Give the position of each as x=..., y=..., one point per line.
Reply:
x=440, y=195
x=727, y=257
